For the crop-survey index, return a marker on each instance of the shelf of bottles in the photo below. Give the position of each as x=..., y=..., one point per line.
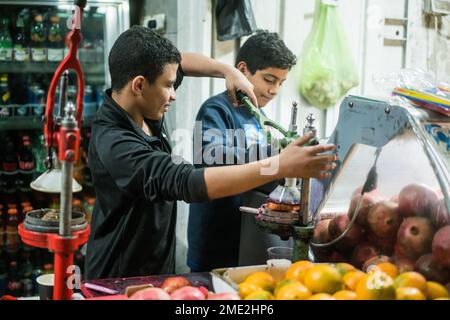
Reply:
x=33, y=41
x=21, y=161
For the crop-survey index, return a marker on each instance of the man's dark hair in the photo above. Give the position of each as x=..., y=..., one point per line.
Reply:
x=265, y=50
x=140, y=51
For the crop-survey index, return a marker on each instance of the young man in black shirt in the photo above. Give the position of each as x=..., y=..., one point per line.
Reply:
x=136, y=179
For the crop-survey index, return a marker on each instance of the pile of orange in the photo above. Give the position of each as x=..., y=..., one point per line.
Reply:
x=305, y=280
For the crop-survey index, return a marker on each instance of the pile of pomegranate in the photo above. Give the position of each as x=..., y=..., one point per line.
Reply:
x=411, y=230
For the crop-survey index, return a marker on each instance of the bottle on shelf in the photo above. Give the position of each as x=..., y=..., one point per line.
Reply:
x=38, y=39
x=99, y=48
x=78, y=168
x=3, y=275
x=9, y=167
x=47, y=268
x=5, y=97
x=89, y=108
x=12, y=234
x=54, y=203
x=55, y=43
x=100, y=95
x=6, y=44
x=36, y=99
x=89, y=202
x=72, y=93
x=14, y=283
x=86, y=50
x=26, y=165
x=11, y=205
x=77, y=205
x=78, y=260
x=19, y=88
x=2, y=227
x=37, y=269
x=40, y=154
x=40, y=199
x=24, y=212
x=21, y=50
x=26, y=271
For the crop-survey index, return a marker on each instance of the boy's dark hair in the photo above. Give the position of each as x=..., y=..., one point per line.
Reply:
x=265, y=50
x=139, y=51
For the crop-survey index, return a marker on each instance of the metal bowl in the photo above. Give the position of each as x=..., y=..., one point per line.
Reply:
x=33, y=221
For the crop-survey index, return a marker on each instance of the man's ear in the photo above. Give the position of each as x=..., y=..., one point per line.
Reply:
x=242, y=67
x=137, y=85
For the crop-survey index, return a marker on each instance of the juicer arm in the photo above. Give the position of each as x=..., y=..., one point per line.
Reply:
x=262, y=119
x=51, y=129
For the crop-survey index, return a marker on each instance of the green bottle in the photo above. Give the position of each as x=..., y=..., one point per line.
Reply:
x=21, y=49
x=55, y=49
x=38, y=39
x=5, y=41
x=40, y=154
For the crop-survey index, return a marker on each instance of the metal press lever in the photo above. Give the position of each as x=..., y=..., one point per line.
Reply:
x=306, y=183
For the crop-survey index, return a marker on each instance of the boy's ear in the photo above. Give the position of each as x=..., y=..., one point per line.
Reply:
x=137, y=85
x=242, y=67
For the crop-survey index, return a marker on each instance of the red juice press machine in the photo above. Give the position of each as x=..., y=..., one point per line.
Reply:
x=63, y=232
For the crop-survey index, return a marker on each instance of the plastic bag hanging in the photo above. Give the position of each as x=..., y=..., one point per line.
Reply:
x=328, y=70
x=234, y=19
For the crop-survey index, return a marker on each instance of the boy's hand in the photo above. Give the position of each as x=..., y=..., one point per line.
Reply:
x=236, y=81
x=307, y=162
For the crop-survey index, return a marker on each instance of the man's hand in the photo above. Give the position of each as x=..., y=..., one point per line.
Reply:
x=236, y=81
x=198, y=65
x=306, y=162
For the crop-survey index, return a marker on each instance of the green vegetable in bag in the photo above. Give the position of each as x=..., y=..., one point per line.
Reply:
x=327, y=70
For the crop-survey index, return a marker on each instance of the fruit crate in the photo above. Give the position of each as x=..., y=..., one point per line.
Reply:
x=235, y=275
x=390, y=191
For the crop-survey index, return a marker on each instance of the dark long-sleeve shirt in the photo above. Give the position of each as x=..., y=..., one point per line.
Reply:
x=137, y=184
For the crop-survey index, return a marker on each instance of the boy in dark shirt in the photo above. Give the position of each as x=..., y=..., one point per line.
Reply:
x=214, y=227
x=136, y=179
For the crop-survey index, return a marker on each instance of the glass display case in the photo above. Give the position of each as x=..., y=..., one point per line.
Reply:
x=388, y=200
x=32, y=44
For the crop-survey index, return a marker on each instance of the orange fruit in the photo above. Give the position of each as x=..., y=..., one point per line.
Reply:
x=351, y=279
x=375, y=286
x=246, y=288
x=386, y=267
x=344, y=268
x=321, y=296
x=262, y=279
x=436, y=290
x=323, y=278
x=345, y=295
x=259, y=295
x=293, y=291
x=298, y=270
x=409, y=293
x=281, y=284
x=411, y=279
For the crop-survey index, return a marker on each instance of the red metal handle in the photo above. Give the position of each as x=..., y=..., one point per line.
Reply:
x=69, y=62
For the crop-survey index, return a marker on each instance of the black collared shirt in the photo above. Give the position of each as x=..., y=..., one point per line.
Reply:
x=137, y=183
